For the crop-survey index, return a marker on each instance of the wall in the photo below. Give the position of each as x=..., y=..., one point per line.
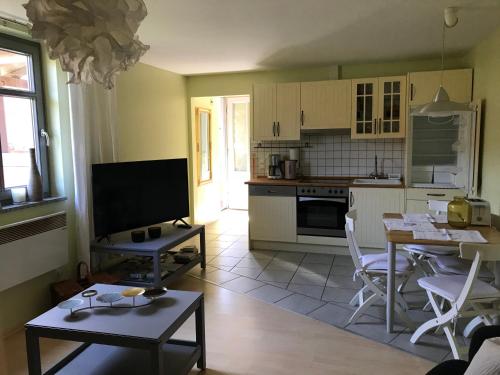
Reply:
x=207, y=197
x=485, y=59
x=152, y=114
x=24, y=301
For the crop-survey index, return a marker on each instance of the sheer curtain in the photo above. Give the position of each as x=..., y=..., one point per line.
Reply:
x=93, y=131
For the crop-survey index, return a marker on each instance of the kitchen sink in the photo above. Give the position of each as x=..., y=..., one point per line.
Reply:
x=376, y=181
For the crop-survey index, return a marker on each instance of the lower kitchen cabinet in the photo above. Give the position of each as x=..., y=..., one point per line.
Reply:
x=371, y=204
x=273, y=214
x=417, y=198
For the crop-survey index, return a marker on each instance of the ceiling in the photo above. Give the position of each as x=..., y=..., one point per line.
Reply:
x=212, y=36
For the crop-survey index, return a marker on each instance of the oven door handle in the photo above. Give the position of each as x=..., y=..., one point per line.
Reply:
x=338, y=200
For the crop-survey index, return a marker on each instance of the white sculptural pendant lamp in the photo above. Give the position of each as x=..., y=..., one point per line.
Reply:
x=93, y=40
x=441, y=105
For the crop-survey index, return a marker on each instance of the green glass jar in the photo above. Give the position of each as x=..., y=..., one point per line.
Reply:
x=459, y=212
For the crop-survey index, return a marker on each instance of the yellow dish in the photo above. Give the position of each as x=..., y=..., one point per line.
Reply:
x=133, y=292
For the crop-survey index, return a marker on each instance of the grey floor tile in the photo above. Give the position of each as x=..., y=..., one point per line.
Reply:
x=200, y=272
x=332, y=314
x=254, y=262
x=374, y=328
x=431, y=347
x=341, y=295
x=220, y=276
x=219, y=244
x=209, y=250
x=240, y=253
x=276, y=275
x=225, y=268
x=342, y=270
x=269, y=293
x=300, y=304
x=344, y=260
x=309, y=279
x=318, y=258
x=228, y=238
x=290, y=256
x=222, y=260
x=242, y=284
x=282, y=265
x=277, y=284
x=260, y=254
x=314, y=291
x=318, y=268
x=343, y=282
x=247, y=271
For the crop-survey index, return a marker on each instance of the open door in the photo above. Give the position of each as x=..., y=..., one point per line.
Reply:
x=238, y=151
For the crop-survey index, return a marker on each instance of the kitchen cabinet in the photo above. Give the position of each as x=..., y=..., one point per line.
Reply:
x=325, y=105
x=378, y=108
x=416, y=199
x=276, y=112
x=272, y=212
x=371, y=204
x=424, y=85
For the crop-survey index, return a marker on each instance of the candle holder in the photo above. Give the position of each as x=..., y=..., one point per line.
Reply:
x=18, y=194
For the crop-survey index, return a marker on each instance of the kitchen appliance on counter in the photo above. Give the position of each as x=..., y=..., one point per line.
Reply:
x=321, y=209
x=481, y=212
x=275, y=171
x=290, y=169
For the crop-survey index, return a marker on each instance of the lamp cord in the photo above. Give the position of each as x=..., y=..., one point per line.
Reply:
x=442, y=52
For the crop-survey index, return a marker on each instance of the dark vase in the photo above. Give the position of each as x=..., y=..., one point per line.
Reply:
x=35, y=189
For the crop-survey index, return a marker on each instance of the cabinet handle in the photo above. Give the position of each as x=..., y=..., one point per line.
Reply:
x=301, y=118
x=278, y=127
x=379, y=126
x=274, y=129
x=351, y=199
x=271, y=191
x=375, y=125
x=411, y=91
x=435, y=195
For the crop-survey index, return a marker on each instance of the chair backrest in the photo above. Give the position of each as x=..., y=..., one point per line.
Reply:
x=350, y=224
x=477, y=253
x=437, y=206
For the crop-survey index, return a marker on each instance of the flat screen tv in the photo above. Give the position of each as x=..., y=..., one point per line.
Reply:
x=136, y=194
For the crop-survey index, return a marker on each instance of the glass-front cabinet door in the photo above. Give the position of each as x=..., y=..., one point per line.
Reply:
x=364, y=108
x=391, y=121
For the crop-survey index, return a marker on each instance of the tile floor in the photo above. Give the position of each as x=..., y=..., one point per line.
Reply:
x=319, y=286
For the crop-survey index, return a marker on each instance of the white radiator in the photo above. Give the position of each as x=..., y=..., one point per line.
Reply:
x=31, y=248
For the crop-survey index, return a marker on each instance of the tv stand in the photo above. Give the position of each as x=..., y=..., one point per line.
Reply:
x=183, y=225
x=171, y=237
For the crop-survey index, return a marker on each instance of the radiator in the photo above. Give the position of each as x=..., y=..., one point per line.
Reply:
x=31, y=248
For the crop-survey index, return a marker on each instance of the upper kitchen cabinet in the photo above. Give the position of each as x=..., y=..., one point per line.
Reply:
x=378, y=108
x=423, y=85
x=325, y=105
x=276, y=112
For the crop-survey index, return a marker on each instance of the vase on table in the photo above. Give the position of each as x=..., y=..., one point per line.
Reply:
x=459, y=213
x=34, y=188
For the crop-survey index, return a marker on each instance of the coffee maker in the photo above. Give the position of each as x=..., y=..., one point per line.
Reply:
x=275, y=167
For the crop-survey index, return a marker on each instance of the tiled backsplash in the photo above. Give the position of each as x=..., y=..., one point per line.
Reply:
x=334, y=155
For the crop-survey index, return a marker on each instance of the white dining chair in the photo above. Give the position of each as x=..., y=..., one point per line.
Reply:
x=372, y=270
x=467, y=295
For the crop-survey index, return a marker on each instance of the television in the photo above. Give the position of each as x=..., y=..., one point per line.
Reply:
x=136, y=194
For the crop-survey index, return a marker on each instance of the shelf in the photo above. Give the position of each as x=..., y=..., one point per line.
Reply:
x=96, y=359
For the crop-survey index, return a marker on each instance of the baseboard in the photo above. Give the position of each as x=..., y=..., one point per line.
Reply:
x=300, y=247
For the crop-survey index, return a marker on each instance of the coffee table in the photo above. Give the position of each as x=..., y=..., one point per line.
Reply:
x=123, y=340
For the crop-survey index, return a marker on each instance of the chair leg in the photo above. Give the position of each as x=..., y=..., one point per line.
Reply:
x=455, y=348
x=362, y=309
x=427, y=307
x=358, y=297
x=471, y=327
x=401, y=301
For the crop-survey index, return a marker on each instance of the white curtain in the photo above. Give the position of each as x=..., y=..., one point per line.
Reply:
x=93, y=130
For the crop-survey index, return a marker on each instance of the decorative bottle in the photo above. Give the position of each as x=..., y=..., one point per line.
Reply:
x=34, y=188
x=459, y=213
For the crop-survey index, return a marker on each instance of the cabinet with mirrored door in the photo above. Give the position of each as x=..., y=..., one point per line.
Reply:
x=379, y=108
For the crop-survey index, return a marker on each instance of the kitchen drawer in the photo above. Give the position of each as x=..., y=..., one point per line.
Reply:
x=436, y=194
x=271, y=190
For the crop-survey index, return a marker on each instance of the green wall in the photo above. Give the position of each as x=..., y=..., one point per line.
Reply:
x=24, y=301
x=485, y=59
x=152, y=114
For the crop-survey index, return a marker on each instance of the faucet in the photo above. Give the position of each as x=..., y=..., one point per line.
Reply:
x=375, y=173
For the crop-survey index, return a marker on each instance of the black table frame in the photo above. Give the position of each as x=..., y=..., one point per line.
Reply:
x=158, y=367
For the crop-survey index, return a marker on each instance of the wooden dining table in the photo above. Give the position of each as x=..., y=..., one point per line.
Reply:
x=395, y=238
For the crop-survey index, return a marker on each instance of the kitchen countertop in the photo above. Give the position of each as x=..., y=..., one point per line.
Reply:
x=313, y=181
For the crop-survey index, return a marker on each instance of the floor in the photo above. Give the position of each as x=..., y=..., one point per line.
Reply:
x=316, y=285
x=246, y=336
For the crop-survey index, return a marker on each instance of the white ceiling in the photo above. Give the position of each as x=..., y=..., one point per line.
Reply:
x=209, y=36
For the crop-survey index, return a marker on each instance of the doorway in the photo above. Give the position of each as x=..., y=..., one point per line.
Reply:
x=237, y=134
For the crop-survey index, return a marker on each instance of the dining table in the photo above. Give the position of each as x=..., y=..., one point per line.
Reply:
x=397, y=237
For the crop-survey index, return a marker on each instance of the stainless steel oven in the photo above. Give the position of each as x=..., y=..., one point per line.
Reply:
x=321, y=211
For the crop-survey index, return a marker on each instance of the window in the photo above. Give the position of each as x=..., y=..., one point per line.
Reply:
x=22, y=117
x=203, y=145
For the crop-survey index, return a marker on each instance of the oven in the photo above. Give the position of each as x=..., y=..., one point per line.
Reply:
x=321, y=211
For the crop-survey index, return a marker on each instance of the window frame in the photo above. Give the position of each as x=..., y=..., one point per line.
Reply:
x=198, y=112
x=33, y=49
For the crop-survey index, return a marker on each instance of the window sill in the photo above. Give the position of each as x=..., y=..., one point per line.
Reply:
x=22, y=206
